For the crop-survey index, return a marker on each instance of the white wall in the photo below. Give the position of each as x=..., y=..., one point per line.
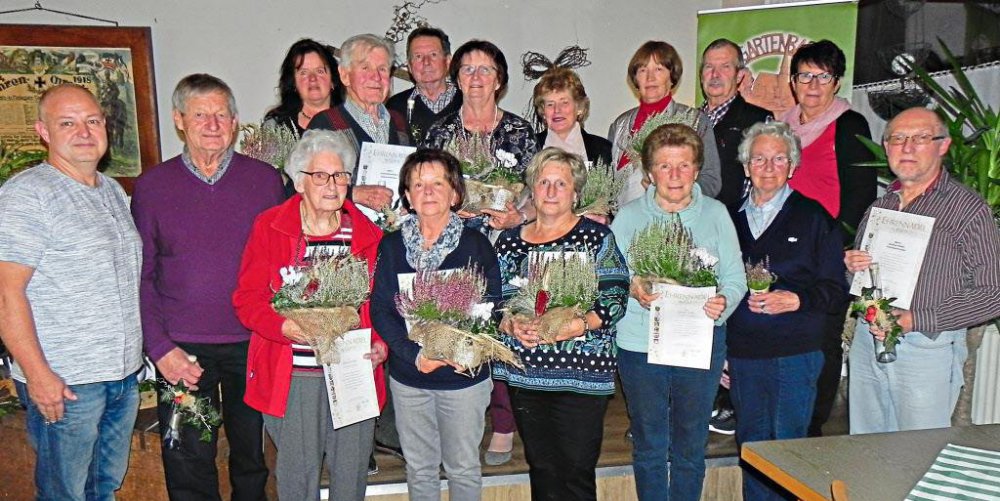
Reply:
x=243, y=41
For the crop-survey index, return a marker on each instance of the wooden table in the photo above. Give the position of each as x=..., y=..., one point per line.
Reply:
x=876, y=467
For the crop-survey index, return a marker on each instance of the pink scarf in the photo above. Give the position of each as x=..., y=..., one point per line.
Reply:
x=810, y=131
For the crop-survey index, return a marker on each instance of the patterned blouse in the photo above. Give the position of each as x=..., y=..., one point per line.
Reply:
x=584, y=365
x=513, y=135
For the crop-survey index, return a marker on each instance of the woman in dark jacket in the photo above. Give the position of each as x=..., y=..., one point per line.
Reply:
x=562, y=104
x=440, y=414
x=775, y=338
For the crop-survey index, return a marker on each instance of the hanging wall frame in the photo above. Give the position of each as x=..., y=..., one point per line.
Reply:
x=116, y=64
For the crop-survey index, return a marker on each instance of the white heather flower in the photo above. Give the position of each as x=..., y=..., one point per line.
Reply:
x=518, y=282
x=704, y=256
x=290, y=275
x=506, y=158
x=482, y=311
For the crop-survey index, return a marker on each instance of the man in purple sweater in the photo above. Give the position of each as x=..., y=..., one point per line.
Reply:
x=194, y=213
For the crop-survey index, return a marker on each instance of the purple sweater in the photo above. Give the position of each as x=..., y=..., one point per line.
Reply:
x=193, y=236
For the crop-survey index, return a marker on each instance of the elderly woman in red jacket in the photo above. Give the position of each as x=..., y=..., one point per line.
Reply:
x=284, y=380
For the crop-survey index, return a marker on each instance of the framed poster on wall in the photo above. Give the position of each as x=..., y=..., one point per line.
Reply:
x=116, y=64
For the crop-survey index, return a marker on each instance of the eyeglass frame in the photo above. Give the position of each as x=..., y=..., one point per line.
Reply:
x=336, y=176
x=829, y=76
x=760, y=161
x=927, y=138
x=481, y=70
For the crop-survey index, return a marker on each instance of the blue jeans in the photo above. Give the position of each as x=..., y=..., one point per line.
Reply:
x=85, y=454
x=669, y=408
x=918, y=391
x=774, y=400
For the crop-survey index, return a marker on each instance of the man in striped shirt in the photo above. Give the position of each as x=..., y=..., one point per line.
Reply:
x=958, y=287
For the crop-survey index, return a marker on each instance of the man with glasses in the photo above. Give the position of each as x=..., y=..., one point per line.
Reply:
x=194, y=213
x=958, y=287
x=434, y=95
x=69, y=303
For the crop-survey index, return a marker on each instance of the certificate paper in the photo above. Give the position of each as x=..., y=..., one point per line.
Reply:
x=680, y=333
x=896, y=241
x=379, y=165
x=350, y=384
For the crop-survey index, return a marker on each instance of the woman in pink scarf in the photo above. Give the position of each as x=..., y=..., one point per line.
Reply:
x=828, y=173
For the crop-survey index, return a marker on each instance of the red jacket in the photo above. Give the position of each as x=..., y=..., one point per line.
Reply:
x=273, y=242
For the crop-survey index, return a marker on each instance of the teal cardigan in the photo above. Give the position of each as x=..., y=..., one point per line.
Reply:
x=712, y=229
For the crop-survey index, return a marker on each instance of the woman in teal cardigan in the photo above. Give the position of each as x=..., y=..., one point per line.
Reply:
x=669, y=406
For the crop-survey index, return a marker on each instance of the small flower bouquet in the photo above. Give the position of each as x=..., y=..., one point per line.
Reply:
x=491, y=180
x=759, y=276
x=268, y=142
x=389, y=219
x=556, y=291
x=876, y=310
x=664, y=252
x=450, y=321
x=323, y=298
x=636, y=141
x=600, y=194
x=187, y=409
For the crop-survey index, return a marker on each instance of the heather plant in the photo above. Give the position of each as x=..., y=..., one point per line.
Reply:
x=665, y=251
x=636, y=141
x=600, y=194
x=556, y=290
x=449, y=319
x=268, y=142
x=759, y=276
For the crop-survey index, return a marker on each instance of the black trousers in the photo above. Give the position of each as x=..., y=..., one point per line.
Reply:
x=829, y=377
x=190, y=470
x=562, y=433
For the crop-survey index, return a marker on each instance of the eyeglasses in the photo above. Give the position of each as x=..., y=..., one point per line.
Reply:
x=322, y=178
x=804, y=77
x=759, y=161
x=918, y=139
x=483, y=71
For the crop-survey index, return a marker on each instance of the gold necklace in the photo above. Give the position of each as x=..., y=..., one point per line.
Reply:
x=307, y=230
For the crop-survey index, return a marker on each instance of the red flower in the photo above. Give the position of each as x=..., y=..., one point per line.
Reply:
x=870, y=314
x=178, y=399
x=311, y=289
x=541, y=302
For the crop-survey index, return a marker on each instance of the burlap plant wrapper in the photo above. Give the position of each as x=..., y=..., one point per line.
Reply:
x=323, y=327
x=599, y=207
x=480, y=195
x=444, y=342
x=553, y=320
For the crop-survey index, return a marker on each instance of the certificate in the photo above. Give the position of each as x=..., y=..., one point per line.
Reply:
x=379, y=165
x=680, y=333
x=350, y=384
x=897, y=241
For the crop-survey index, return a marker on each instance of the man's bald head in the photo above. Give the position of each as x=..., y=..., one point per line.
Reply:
x=52, y=93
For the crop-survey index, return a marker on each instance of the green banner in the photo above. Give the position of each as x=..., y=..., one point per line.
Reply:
x=769, y=36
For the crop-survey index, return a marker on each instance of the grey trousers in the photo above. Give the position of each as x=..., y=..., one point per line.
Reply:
x=305, y=434
x=442, y=427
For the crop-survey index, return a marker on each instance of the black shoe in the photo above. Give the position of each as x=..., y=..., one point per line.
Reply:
x=390, y=450
x=723, y=422
x=372, y=465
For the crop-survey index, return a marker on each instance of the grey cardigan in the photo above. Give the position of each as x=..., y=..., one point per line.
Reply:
x=710, y=175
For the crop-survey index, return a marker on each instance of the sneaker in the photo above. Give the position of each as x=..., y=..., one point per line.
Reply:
x=723, y=422
x=372, y=466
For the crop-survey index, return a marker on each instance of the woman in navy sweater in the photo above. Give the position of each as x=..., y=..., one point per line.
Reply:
x=775, y=338
x=440, y=414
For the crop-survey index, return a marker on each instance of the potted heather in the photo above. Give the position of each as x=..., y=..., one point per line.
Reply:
x=664, y=252
x=323, y=298
x=600, y=194
x=448, y=317
x=759, y=276
x=556, y=291
x=490, y=179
